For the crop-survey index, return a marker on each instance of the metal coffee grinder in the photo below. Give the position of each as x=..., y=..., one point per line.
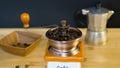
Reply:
x=65, y=47
x=97, y=20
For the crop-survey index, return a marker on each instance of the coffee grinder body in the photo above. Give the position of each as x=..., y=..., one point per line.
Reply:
x=65, y=48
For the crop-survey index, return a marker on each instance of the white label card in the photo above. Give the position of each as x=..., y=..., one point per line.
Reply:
x=64, y=65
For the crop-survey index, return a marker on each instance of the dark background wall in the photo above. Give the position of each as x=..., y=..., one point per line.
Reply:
x=48, y=12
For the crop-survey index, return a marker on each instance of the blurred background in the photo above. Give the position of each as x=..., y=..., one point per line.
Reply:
x=49, y=12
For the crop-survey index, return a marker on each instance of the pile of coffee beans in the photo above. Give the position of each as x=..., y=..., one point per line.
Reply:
x=23, y=45
x=63, y=34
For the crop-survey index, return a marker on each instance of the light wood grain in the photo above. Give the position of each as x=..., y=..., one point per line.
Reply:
x=107, y=56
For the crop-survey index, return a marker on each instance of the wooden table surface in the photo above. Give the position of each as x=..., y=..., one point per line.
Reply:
x=107, y=56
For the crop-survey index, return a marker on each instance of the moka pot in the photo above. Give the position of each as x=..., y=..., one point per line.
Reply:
x=97, y=21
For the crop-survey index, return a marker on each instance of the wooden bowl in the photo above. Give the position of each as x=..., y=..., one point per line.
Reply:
x=20, y=42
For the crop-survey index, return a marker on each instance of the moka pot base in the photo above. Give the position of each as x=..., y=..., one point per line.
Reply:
x=96, y=37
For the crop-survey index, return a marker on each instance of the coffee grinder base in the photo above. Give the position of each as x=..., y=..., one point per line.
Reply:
x=65, y=62
x=75, y=58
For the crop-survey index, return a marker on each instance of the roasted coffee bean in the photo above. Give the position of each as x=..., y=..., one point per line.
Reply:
x=17, y=66
x=26, y=45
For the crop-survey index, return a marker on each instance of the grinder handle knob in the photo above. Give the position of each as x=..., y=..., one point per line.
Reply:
x=25, y=18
